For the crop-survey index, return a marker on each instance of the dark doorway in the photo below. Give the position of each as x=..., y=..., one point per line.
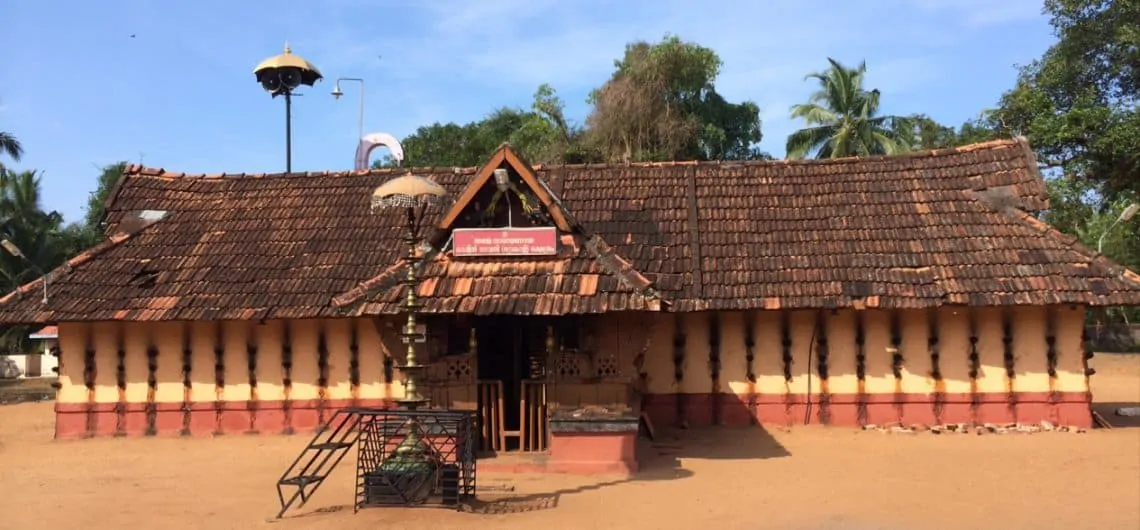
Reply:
x=505, y=345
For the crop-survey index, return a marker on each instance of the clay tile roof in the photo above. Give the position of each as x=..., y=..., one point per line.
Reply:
x=46, y=332
x=941, y=227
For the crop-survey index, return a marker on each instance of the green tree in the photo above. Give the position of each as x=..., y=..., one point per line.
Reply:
x=843, y=119
x=23, y=222
x=1077, y=209
x=1078, y=104
x=542, y=133
x=661, y=103
x=10, y=146
x=40, y=236
x=90, y=232
x=920, y=131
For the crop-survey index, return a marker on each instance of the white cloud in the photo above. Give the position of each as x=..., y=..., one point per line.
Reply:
x=767, y=47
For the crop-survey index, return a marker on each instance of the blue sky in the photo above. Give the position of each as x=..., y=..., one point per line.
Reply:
x=80, y=92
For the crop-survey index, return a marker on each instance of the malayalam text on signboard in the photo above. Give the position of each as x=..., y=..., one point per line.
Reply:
x=542, y=241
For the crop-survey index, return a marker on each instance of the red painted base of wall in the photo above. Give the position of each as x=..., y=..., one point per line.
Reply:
x=1061, y=408
x=593, y=453
x=80, y=420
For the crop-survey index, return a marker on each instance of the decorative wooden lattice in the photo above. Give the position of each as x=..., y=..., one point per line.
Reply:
x=571, y=366
x=460, y=369
x=453, y=369
x=607, y=366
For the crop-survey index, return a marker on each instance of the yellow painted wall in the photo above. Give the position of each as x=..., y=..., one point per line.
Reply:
x=338, y=337
x=136, y=336
x=625, y=335
x=1070, y=356
x=658, y=364
x=235, y=357
x=202, y=380
x=106, y=336
x=841, y=353
x=879, y=377
x=954, y=347
x=734, y=353
x=1031, y=364
x=303, y=335
x=372, y=351
x=168, y=338
x=952, y=325
x=73, y=337
x=991, y=377
x=768, y=365
x=696, y=380
x=270, y=373
x=917, y=365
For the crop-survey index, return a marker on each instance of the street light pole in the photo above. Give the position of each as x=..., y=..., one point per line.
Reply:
x=12, y=249
x=280, y=75
x=1124, y=216
x=336, y=93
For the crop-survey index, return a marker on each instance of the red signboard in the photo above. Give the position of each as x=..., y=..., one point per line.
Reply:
x=541, y=241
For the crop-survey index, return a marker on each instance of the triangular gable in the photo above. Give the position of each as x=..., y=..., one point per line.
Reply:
x=352, y=302
x=506, y=157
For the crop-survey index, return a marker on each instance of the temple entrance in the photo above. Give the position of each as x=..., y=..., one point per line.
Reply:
x=511, y=349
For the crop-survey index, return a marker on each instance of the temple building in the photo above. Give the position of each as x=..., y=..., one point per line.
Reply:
x=913, y=289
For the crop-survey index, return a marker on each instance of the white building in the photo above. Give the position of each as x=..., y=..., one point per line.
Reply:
x=39, y=364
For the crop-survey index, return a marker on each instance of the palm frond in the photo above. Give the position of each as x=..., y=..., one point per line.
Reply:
x=804, y=141
x=10, y=146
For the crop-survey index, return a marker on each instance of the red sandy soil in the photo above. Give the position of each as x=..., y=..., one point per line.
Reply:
x=810, y=477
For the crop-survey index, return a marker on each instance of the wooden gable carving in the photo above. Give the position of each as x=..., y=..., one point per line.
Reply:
x=482, y=204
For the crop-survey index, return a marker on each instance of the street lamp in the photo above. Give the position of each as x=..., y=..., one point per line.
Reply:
x=336, y=93
x=15, y=251
x=1126, y=215
x=280, y=75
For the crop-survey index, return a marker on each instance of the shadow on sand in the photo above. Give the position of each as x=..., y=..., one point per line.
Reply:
x=1108, y=411
x=659, y=460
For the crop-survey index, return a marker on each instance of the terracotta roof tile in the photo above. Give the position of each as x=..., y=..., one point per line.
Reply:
x=919, y=230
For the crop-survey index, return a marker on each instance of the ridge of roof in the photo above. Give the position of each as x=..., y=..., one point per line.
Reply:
x=137, y=170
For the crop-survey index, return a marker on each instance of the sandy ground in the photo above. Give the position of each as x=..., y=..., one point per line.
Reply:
x=806, y=478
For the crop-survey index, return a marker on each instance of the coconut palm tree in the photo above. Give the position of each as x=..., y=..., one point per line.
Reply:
x=10, y=146
x=40, y=237
x=843, y=120
x=24, y=222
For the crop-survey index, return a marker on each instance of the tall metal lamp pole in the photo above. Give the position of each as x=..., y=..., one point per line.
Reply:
x=336, y=93
x=280, y=75
x=1126, y=215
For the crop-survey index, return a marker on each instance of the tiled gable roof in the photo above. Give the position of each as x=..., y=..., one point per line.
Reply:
x=918, y=230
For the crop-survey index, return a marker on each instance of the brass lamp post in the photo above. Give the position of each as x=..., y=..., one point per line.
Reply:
x=412, y=463
x=414, y=194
